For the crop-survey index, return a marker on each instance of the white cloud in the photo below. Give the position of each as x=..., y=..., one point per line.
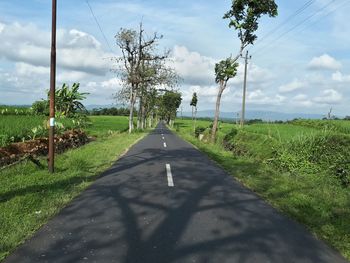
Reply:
x=324, y=62
x=339, y=77
x=24, y=69
x=294, y=85
x=329, y=96
x=194, y=68
x=76, y=50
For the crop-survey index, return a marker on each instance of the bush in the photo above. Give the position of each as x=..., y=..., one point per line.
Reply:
x=228, y=141
x=323, y=152
x=41, y=107
x=198, y=131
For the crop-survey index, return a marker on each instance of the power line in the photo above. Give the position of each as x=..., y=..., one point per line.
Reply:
x=296, y=13
x=342, y=4
x=296, y=26
x=99, y=26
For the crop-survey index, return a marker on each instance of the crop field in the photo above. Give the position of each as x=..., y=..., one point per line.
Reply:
x=16, y=128
x=102, y=125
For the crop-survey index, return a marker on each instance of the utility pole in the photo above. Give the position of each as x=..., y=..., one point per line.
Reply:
x=52, y=89
x=244, y=88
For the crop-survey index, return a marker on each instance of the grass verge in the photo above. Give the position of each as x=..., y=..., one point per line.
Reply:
x=30, y=197
x=315, y=200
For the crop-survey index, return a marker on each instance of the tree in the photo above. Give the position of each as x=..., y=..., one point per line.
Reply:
x=244, y=16
x=224, y=71
x=193, y=103
x=68, y=100
x=168, y=105
x=142, y=69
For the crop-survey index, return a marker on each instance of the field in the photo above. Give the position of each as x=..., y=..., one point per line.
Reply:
x=302, y=168
x=16, y=128
x=30, y=196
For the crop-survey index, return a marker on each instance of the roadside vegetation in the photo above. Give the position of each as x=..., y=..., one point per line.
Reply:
x=30, y=196
x=301, y=167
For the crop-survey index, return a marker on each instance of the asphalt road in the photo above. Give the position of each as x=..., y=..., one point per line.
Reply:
x=165, y=201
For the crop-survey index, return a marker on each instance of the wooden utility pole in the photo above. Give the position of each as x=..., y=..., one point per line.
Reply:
x=244, y=88
x=52, y=89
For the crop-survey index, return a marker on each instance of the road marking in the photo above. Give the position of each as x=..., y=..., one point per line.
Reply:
x=164, y=144
x=163, y=138
x=169, y=175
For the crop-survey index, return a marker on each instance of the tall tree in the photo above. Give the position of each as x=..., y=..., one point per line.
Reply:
x=136, y=49
x=142, y=70
x=193, y=104
x=224, y=71
x=244, y=17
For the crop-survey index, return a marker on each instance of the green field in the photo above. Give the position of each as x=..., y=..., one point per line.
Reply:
x=30, y=196
x=302, y=168
x=103, y=125
x=16, y=128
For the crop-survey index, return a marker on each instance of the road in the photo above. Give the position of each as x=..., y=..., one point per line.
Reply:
x=165, y=201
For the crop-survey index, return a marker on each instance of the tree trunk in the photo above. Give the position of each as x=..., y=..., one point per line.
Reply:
x=139, y=113
x=143, y=117
x=131, y=114
x=195, y=119
x=217, y=111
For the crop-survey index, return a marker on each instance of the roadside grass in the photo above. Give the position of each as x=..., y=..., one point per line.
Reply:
x=30, y=196
x=313, y=198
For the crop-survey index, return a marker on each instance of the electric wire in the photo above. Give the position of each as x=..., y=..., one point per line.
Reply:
x=99, y=26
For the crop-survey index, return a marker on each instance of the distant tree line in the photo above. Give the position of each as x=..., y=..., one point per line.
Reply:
x=112, y=111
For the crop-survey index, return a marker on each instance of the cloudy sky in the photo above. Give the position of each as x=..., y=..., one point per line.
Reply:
x=299, y=64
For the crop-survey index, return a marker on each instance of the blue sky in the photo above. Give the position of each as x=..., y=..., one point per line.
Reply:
x=306, y=70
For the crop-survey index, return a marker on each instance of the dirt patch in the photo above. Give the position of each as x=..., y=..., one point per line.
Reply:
x=39, y=147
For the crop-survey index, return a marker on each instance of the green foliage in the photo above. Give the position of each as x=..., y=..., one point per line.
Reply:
x=67, y=100
x=168, y=105
x=41, y=107
x=244, y=16
x=14, y=110
x=17, y=128
x=112, y=112
x=198, y=131
x=225, y=70
x=323, y=152
x=194, y=100
x=228, y=140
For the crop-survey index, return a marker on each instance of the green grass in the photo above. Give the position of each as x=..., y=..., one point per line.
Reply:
x=29, y=196
x=311, y=196
x=103, y=125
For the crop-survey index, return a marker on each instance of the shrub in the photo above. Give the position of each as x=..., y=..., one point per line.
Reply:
x=228, y=141
x=198, y=131
x=41, y=107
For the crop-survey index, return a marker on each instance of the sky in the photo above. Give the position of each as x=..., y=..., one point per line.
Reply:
x=300, y=62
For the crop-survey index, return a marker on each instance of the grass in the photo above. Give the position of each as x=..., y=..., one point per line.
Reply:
x=103, y=125
x=29, y=196
x=313, y=197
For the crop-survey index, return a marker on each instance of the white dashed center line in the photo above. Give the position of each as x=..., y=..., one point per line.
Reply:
x=169, y=175
x=164, y=144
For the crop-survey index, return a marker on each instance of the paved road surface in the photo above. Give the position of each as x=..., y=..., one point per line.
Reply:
x=164, y=201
